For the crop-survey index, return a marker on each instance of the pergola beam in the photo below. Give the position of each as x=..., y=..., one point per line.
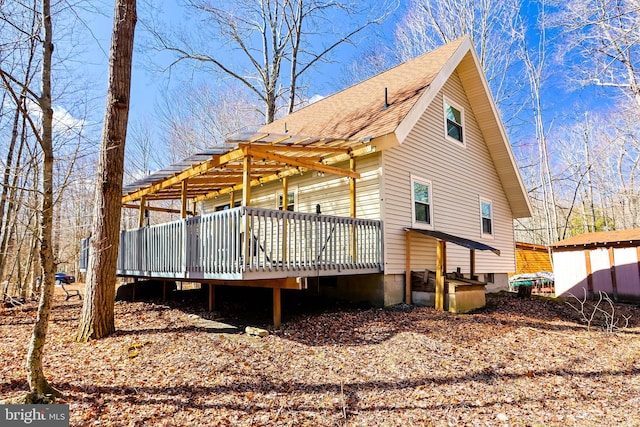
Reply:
x=155, y=209
x=303, y=162
x=262, y=180
x=284, y=156
x=191, y=172
x=298, y=149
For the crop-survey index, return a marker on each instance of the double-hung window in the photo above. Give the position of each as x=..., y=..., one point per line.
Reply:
x=486, y=215
x=291, y=201
x=454, y=121
x=422, y=207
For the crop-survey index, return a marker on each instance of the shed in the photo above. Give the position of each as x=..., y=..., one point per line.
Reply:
x=532, y=258
x=602, y=261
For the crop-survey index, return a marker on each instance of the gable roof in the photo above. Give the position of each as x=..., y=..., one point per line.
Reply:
x=359, y=112
x=602, y=238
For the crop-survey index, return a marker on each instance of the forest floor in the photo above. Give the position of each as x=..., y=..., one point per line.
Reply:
x=517, y=362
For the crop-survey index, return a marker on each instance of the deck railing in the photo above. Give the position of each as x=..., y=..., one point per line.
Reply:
x=248, y=242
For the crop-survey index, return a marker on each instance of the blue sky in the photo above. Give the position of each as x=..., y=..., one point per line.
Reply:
x=148, y=86
x=562, y=101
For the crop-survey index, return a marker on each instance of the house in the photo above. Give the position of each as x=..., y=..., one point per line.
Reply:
x=607, y=261
x=410, y=170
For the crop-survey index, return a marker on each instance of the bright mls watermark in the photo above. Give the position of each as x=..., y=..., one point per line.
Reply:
x=34, y=415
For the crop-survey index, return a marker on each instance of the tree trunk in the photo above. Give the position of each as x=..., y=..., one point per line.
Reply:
x=97, y=318
x=38, y=385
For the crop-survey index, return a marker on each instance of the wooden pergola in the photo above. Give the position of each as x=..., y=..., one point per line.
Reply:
x=246, y=160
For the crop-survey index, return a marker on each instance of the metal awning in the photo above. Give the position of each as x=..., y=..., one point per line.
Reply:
x=461, y=241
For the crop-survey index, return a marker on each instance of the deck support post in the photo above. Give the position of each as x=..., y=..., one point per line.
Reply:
x=407, y=275
x=246, y=200
x=246, y=181
x=277, y=308
x=232, y=199
x=164, y=290
x=352, y=207
x=212, y=296
x=472, y=263
x=143, y=203
x=441, y=256
x=285, y=195
x=183, y=199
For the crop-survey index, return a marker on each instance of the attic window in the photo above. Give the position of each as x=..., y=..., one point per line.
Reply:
x=454, y=121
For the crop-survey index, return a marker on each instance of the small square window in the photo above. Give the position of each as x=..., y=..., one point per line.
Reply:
x=291, y=197
x=486, y=213
x=454, y=121
x=422, y=202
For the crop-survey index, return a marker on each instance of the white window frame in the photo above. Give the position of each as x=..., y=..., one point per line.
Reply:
x=448, y=103
x=225, y=206
x=415, y=223
x=484, y=200
x=295, y=198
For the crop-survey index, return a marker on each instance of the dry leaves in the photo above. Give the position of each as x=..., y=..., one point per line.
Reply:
x=518, y=362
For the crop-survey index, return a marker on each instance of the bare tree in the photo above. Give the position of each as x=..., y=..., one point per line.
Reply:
x=97, y=317
x=428, y=24
x=195, y=118
x=603, y=42
x=533, y=51
x=262, y=36
x=40, y=389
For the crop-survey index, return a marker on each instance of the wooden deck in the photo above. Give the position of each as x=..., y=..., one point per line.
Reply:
x=248, y=243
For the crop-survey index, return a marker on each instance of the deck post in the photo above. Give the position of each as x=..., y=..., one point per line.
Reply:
x=276, y=308
x=246, y=181
x=407, y=275
x=472, y=263
x=164, y=290
x=183, y=199
x=212, y=296
x=352, y=207
x=285, y=200
x=246, y=200
x=143, y=203
x=441, y=251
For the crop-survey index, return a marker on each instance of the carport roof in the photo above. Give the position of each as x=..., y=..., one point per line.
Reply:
x=461, y=241
x=601, y=238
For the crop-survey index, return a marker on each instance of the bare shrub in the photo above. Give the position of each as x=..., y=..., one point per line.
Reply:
x=602, y=311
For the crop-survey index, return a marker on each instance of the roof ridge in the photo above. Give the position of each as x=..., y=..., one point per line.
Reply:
x=408, y=62
x=359, y=110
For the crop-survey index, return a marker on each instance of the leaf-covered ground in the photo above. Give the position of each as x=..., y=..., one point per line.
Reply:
x=517, y=362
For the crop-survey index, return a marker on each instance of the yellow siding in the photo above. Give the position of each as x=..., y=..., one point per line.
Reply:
x=532, y=259
x=459, y=177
